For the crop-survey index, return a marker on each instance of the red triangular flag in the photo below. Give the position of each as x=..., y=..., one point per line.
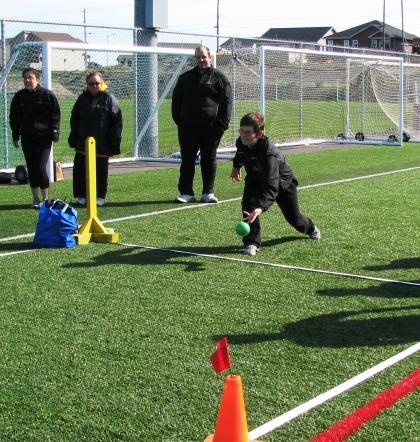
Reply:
x=220, y=359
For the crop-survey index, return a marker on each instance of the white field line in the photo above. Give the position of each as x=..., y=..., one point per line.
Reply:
x=17, y=252
x=196, y=206
x=318, y=400
x=270, y=264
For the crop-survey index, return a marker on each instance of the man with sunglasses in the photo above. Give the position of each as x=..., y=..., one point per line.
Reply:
x=96, y=114
x=269, y=178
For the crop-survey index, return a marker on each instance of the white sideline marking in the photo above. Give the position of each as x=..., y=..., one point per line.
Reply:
x=195, y=206
x=16, y=252
x=318, y=400
x=309, y=186
x=270, y=264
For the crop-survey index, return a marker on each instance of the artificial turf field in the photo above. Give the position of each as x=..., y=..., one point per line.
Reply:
x=320, y=120
x=112, y=342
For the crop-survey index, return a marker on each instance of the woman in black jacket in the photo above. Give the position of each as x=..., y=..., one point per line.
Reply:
x=269, y=178
x=96, y=114
x=35, y=120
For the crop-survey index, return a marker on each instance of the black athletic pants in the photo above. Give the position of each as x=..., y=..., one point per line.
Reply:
x=192, y=140
x=287, y=200
x=79, y=176
x=37, y=151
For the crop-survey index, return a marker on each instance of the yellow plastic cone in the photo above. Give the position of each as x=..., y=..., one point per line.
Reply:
x=231, y=424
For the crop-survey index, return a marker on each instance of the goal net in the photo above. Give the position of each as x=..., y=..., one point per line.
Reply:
x=412, y=101
x=142, y=79
x=312, y=96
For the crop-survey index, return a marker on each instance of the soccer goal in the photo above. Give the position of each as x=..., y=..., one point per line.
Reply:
x=412, y=102
x=311, y=96
x=141, y=77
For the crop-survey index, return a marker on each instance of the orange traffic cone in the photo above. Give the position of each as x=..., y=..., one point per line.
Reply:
x=231, y=424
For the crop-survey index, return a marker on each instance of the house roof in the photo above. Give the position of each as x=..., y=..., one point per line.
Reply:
x=377, y=26
x=178, y=45
x=298, y=34
x=240, y=43
x=43, y=36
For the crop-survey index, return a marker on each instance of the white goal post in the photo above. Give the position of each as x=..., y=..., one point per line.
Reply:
x=141, y=77
x=307, y=96
x=311, y=96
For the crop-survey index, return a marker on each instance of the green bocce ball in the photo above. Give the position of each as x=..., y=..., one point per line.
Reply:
x=242, y=228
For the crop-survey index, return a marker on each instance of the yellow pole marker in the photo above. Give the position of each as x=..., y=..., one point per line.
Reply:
x=93, y=229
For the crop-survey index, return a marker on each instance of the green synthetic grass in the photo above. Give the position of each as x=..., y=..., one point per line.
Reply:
x=106, y=342
x=320, y=119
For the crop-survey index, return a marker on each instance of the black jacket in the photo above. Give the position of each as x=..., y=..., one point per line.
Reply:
x=35, y=113
x=98, y=117
x=202, y=99
x=267, y=171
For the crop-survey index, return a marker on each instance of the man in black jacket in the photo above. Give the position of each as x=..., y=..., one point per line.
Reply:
x=35, y=120
x=201, y=108
x=96, y=114
x=269, y=178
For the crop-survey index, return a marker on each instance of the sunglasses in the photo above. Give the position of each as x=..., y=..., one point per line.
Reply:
x=94, y=84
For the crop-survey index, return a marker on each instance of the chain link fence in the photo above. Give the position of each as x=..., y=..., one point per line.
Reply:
x=126, y=79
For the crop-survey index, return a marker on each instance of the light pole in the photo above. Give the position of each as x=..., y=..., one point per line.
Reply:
x=402, y=25
x=217, y=27
x=107, y=41
x=84, y=24
x=383, y=28
x=84, y=32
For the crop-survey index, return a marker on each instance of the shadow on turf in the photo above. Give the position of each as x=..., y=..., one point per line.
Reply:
x=345, y=329
x=142, y=256
x=113, y=204
x=26, y=206
x=13, y=247
x=384, y=290
x=405, y=263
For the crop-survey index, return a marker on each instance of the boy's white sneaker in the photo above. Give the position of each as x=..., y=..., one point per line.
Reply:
x=250, y=250
x=316, y=234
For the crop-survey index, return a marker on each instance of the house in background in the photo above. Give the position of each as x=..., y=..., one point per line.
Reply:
x=416, y=46
x=371, y=36
x=316, y=35
x=127, y=59
x=314, y=38
x=62, y=60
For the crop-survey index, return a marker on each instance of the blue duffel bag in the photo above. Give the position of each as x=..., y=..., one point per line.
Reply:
x=57, y=222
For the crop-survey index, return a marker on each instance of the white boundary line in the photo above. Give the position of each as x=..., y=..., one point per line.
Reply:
x=270, y=264
x=196, y=206
x=318, y=400
x=17, y=252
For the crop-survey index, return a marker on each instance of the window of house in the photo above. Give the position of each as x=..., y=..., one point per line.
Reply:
x=355, y=43
x=374, y=43
x=346, y=43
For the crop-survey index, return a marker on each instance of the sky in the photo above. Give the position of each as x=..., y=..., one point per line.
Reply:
x=238, y=18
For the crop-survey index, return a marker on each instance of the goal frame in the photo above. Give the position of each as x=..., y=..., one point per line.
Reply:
x=395, y=61
x=46, y=48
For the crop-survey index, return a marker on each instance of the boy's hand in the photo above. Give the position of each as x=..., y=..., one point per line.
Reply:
x=236, y=174
x=252, y=216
